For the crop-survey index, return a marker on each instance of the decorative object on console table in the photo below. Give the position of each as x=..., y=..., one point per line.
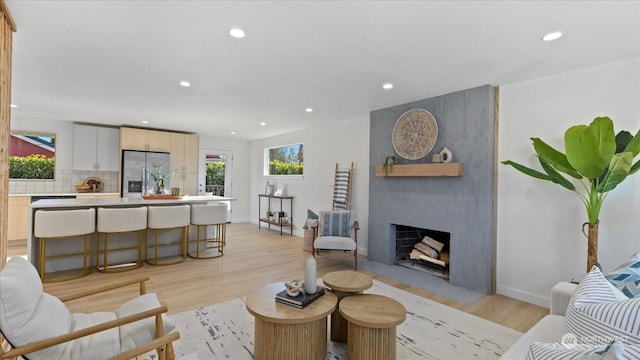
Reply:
x=597, y=157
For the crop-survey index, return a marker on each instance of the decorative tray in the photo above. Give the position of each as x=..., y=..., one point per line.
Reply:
x=162, y=197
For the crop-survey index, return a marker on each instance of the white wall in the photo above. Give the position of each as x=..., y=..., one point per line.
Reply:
x=240, y=175
x=539, y=223
x=324, y=146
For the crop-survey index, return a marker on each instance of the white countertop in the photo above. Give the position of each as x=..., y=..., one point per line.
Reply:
x=68, y=203
x=63, y=194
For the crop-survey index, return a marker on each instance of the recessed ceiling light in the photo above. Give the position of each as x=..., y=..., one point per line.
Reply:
x=14, y=106
x=552, y=36
x=145, y=122
x=233, y=133
x=387, y=86
x=263, y=123
x=237, y=33
x=308, y=110
x=185, y=83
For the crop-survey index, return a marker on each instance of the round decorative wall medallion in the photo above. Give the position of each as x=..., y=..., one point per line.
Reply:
x=414, y=134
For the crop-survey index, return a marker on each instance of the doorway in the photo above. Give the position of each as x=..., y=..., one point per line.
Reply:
x=215, y=174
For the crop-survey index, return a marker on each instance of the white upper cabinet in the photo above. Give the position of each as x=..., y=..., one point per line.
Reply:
x=96, y=148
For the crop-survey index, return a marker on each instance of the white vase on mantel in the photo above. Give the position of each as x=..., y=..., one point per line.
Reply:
x=310, y=278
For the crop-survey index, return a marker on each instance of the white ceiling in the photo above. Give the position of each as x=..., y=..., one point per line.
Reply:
x=120, y=62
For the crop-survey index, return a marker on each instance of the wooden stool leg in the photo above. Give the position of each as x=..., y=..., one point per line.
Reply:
x=371, y=344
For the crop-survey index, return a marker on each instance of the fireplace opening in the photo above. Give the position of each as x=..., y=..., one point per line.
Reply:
x=425, y=250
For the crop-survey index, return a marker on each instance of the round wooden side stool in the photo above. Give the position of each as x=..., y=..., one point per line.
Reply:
x=372, y=326
x=343, y=284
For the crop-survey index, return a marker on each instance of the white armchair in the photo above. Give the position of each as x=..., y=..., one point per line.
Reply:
x=40, y=326
x=333, y=232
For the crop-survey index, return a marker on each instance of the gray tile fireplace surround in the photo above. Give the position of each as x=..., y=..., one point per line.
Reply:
x=462, y=206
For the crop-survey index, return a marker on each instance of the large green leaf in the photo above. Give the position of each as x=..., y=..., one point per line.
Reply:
x=635, y=167
x=555, y=176
x=618, y=171
x=602, y=128
x=634, y=145
x=623, y=138
x=533, y=173
x=583, y=152
x=554, y=157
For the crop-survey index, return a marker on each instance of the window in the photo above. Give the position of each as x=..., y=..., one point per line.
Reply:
x=284, y=160
x=32, y=155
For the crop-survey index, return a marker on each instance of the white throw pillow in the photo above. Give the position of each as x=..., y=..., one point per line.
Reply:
x=139, y=332
x=599, y=313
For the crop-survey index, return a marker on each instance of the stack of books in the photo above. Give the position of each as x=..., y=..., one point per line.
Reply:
x=301, y=300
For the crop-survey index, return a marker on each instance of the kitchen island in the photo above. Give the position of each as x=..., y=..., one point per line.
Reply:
x=65, y=245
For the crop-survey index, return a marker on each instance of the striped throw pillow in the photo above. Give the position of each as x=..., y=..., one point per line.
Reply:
x=563, y=351
x=627, y=277
x=598, y=312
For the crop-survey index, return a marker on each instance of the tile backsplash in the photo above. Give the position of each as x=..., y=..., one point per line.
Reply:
x=64, y=182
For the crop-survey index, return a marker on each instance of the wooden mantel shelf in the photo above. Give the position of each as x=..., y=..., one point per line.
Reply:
x=436, y=169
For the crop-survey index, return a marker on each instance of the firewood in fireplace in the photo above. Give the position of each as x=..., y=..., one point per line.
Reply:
x=437, y=245
x=417, y=255
x=427, y=250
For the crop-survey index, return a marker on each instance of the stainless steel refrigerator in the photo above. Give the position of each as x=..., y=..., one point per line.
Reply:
x=137, y=168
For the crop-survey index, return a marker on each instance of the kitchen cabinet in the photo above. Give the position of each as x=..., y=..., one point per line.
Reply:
x=96, y=148
x=144, y=139
x=184, y=161
x=18, y=217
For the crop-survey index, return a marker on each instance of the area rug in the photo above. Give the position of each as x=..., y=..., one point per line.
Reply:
x=431, y=331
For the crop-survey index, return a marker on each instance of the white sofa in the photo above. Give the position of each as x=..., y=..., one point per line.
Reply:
x=550, y=328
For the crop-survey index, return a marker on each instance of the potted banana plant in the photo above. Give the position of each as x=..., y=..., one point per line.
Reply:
x=597, y=159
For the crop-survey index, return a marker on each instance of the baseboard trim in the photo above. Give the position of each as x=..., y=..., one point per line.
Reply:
x=523, y=296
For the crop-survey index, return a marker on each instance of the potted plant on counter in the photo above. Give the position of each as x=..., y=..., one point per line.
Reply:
x=597, y=159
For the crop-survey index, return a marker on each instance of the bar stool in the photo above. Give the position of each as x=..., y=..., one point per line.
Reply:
x=120, y=221
x=209, y=215
x=168, y=218
x=64, y=224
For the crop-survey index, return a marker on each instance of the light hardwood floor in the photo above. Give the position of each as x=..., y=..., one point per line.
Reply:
x=254, y=258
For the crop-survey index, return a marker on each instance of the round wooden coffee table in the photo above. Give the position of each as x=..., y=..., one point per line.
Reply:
x=286, y=332
x=372, y=325
x=343, y=284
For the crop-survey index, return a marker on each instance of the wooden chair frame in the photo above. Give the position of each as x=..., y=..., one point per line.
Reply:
x=163, y=344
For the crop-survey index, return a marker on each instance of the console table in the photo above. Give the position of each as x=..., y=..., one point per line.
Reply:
x=277, y=222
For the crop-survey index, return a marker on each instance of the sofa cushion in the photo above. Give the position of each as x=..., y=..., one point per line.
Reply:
x=139, y=332
x=549, y=329
x=627, y=277
x=598, y=312
x=26, y=313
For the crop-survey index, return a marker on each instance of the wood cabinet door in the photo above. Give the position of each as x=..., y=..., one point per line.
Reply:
x=191, y=153
x=133, y=139
x=18, y=217
x=177, y=153
x=158, y=140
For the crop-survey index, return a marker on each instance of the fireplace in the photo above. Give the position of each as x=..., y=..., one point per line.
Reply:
x=463, y=205
x=425, y=250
